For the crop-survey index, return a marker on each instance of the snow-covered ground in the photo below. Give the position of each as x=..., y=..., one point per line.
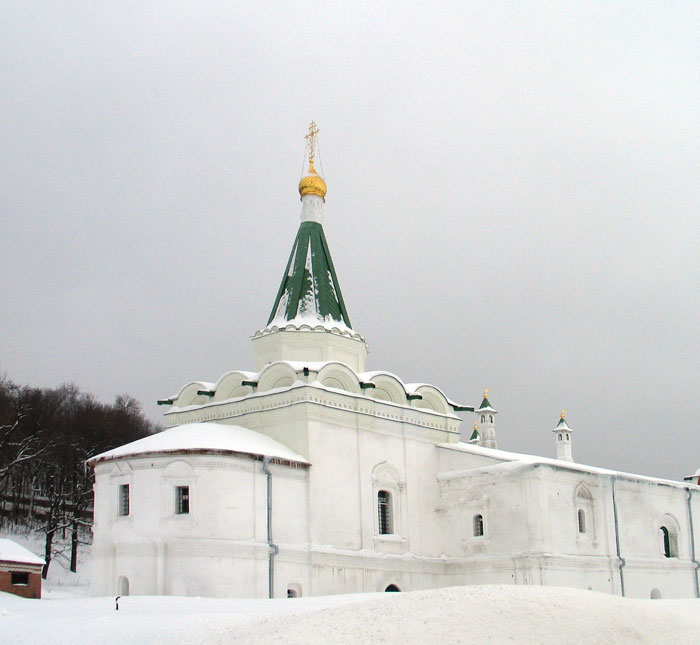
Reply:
x=477, y=614
x=491, y=613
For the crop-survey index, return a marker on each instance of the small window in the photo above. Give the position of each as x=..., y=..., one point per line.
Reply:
x=182, y=500
x=291, y=593
x=491, y=418
x=581, y=521
x=124, y=499
x=478, y=525
x=20, y=578
x=384, y=509
x=567, y=436
x=392, y=588
x=667, y=542
x=483, y=418
x=559, y=437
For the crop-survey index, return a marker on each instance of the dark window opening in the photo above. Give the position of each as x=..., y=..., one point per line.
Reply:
x=20, y=578
x=392, y=588
x=478, y=525
x=124, y=499
x=581, y=521
x=384, y=509
x=667, y=542
x=182, y=500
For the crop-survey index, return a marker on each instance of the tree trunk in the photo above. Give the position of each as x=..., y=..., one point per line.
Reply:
x=74, y=547
x=47, y=553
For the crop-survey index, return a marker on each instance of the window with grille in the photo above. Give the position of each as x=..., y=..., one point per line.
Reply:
x=581, y=521
x=182, y=500
x=124, y=499
x=384, y=508
x=478, y=525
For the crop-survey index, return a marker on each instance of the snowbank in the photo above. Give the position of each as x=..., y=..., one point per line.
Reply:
x=497, y=614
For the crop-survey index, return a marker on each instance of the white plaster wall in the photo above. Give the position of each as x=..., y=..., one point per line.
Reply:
x=219, y=548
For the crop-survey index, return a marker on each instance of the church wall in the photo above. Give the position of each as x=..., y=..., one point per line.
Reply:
x=218, y=548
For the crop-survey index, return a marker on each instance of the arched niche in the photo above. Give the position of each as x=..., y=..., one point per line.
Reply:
x=387, y=388
x=339, y=377
x=188, y=394
x=230, y=386
x=178, y=468
x=276, y=375
x=432, y=399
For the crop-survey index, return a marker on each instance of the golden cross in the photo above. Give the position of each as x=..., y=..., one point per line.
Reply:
x=476, y=425
x=563, y=413
x=311, y=141
x=486, y=393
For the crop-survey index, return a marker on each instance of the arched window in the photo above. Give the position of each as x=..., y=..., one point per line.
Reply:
x=655, y=594
x=581, y=521
x=567, y=436
x=384, y=510
x=392, y=588
x=667, y=541
x=478, y=525
x=123, y=586
x=559, y=436
x=668, y=536
x=483, y=418
x=490, y=418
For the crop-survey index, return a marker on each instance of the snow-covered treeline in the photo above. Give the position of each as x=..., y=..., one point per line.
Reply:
x=46, y=434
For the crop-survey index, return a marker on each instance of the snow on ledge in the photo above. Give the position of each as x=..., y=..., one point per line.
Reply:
x=205, y=436
x=515, y=460
x=309, y=323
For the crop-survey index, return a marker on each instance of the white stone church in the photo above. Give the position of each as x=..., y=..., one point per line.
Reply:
x=310, y=475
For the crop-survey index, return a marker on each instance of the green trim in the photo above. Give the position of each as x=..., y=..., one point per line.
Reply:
x=462, y=408
x=205, y=393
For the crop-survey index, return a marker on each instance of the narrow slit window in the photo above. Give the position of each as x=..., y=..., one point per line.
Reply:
x=478, y=525
x=182, y=500
x=384, y=510
x=124, y=500
x=667, y=541
x=581, y=521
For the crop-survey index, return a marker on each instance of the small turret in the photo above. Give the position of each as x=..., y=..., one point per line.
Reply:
x=562, y=438
x=475, y=434
x=487, y=434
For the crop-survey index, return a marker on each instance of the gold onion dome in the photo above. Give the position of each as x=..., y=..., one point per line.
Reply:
x=312, y=183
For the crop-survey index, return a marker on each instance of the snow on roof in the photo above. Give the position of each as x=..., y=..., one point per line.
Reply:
x=204, y=436
x=12, y=552
x=525, y=460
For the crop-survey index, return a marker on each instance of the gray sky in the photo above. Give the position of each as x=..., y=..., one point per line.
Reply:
x=512, y=201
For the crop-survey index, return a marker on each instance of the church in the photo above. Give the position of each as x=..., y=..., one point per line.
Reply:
x=310, y=475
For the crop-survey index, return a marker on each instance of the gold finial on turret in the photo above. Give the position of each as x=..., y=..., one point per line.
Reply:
x=563, y=414
x=476, y=425
x=486, y=393
x=312, y=183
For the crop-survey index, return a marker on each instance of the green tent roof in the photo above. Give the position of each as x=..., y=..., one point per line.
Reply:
x=310, y=286
x=485, y=404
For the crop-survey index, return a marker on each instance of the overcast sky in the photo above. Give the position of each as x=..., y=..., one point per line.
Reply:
x=513, y=201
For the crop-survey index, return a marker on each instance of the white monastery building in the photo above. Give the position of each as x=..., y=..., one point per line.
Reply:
x=310, y=475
